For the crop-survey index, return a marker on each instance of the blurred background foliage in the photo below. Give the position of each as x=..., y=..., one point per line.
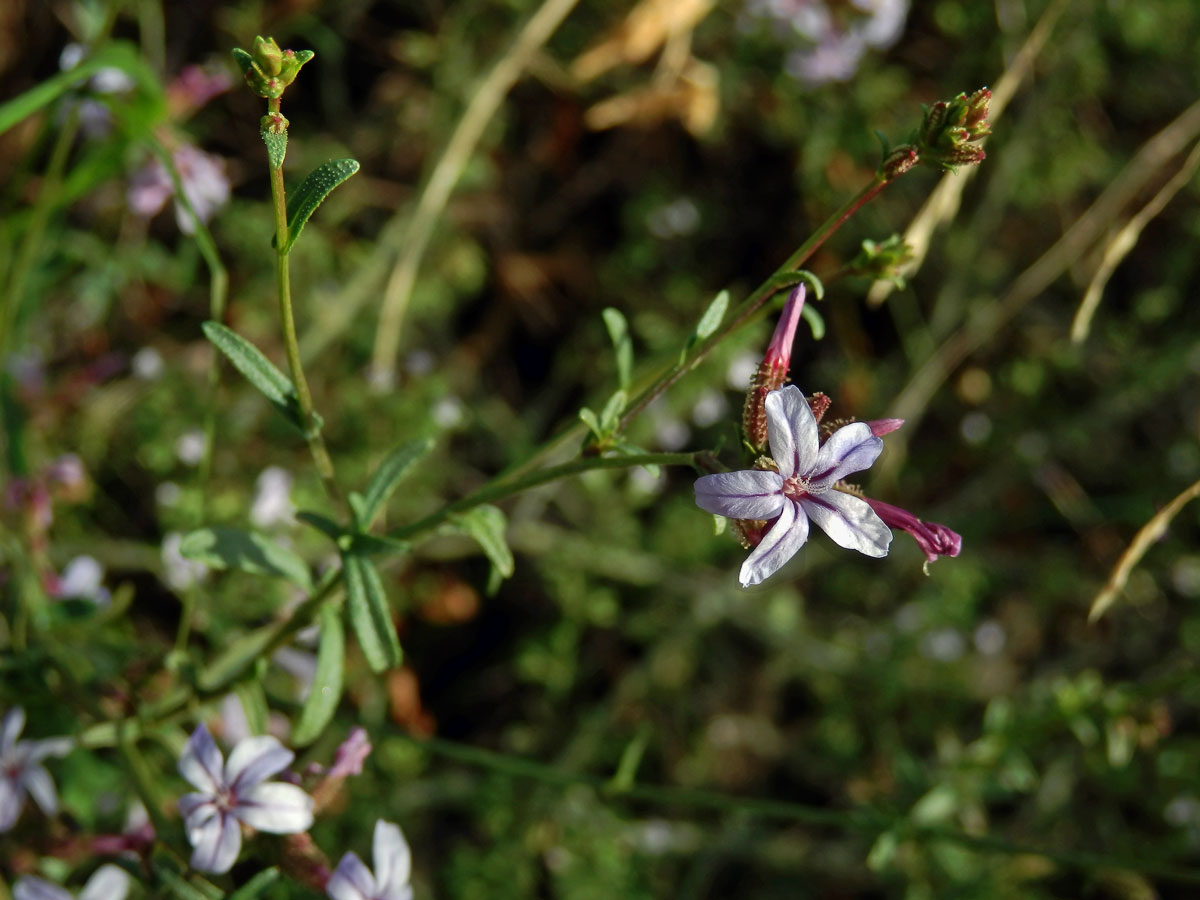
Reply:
x=976, y=699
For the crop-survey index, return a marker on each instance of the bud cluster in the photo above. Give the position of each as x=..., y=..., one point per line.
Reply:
x=951, y=131
x=269, y=70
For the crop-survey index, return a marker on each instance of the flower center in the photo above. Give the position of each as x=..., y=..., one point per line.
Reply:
x=797, y=486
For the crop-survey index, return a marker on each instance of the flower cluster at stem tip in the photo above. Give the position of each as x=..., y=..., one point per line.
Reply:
x=267, y=69
x=801, y=481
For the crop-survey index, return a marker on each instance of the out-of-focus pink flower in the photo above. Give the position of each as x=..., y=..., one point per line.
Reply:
x=204, y=184
x=193, y=88
x=351, y=754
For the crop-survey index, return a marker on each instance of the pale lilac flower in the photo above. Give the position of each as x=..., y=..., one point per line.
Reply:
x=179, y=572
x=204, y=183
x=236, y=792
x=83, y=577
x=272, y=498
x=802, y=489
x=21, y=770
x=107, y=883
x=352, y=880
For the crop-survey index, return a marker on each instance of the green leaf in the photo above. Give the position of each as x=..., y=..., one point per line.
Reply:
x=243, y=59
x=257, y=369
x=276, y=147
x=487, y=525
x=610, y=417
x=387, y=477
x=366, y=605
x=256, y=886
x=254, y=705
x=315, y=188
x=618, y=331
x=711, y=320
x=814, y=320
x=589, y=419
x=323, y=524
x=364, y=544
x=180, y=887
x=233, y=548
x=237, y=657
x=326, y=691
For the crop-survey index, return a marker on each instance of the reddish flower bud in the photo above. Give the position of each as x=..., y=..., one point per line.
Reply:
x=880, y=427
x=772, y=372
x=934, y=540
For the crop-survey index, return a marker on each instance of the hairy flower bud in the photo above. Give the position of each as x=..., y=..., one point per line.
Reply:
x=772, y=371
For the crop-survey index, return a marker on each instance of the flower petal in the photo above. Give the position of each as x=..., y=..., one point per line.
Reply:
x=10, y=729
x=748, y=494
x=849, y=522
x=217, y=844
x=850, y=449
x=201, y=761
x=12, y=801
x=254, y=760
x=36, y=751
x=108, y=883
x=393, y=860
x=791, y=430
x=31, y=888
x=276, y=807
x=196, y=807
x=40, y=785
x=780, y=544
x=351, y=880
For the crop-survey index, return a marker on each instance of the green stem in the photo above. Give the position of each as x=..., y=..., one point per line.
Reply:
x=505, y=488
x=316, y=443
x=748, y=307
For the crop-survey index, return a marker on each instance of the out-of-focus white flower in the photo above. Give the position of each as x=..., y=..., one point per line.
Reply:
x=179, y=572
x=204, y=184
x=108, y=882
x=448, y=412
x=272, y=498
x=235, y=792
x=190, y=447
x=95, y=119
x=21, y=769
x=147, y=364
x=352, y=880
x=83, y=577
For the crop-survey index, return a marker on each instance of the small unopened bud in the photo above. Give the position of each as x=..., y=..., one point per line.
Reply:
x=273, y=123
x=883, y=260
x=880, y=427
x=900, y=160
x=772, y=371
x=268, y=55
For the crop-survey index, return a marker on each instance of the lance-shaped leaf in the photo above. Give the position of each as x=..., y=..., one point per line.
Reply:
x=315, y=188
x=237, y=657
x=387, y=477
x=233, y=548
x=618, y=331
x=276, y=142
x=486, y=524
x=708, y=324
x=257, y=369
x=366, y=605
x=326, y=692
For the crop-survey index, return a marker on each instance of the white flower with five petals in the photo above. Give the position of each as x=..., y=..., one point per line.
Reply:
x=236, y=792
x=802, y=490
x=352, y=880
x=21, y=769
